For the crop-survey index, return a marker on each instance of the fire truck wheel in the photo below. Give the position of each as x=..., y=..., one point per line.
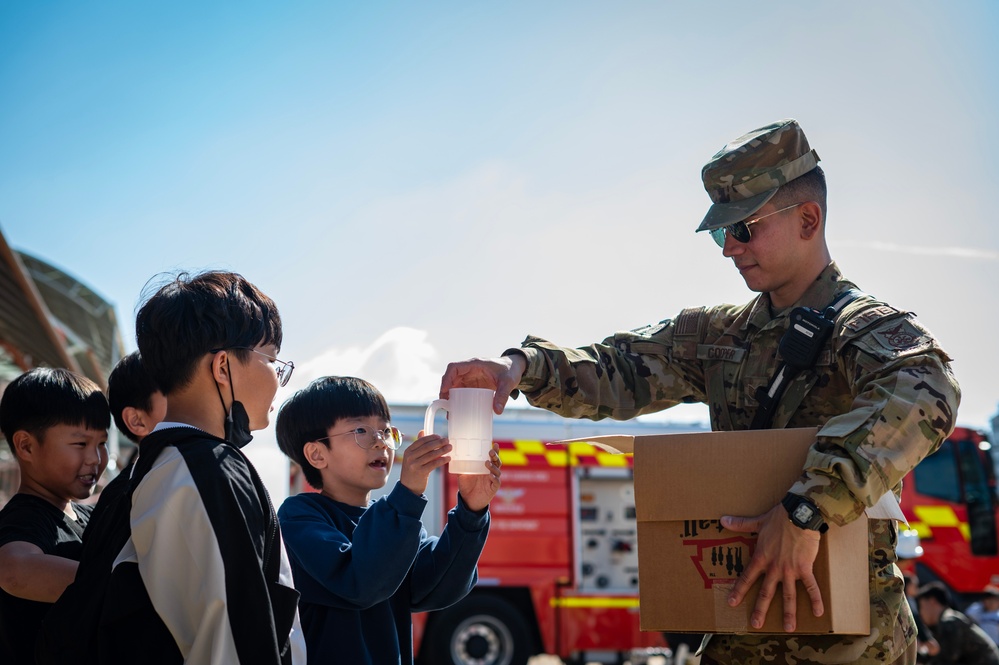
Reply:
x=480, y=630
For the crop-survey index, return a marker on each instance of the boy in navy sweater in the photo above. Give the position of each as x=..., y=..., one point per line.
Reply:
x=363, y=567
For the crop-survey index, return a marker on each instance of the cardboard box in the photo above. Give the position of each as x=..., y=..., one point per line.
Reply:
x=688, y=563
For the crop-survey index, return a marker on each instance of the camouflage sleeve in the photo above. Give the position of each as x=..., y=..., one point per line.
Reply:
x=905, y=398
x=628, y=374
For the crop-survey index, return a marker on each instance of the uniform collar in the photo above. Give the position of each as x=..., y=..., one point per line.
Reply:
x=820, y=294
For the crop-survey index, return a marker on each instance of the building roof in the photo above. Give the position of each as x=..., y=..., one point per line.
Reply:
x=49, y=318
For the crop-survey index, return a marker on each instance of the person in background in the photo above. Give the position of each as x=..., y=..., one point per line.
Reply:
x=137, y=406
x=961, y=641
x=56, y=424
x=925, y=644
x=985, y=612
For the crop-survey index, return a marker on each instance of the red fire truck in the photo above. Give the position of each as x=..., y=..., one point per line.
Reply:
x=950, y=501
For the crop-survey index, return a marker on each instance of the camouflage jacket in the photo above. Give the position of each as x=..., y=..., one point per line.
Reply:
x=961, y=641
x=882, y=394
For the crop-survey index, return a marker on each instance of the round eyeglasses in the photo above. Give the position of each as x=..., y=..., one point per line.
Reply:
x=740, y=230
x=367, y=437
x=281, y=368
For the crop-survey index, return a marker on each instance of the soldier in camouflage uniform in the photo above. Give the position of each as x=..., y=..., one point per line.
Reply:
x=961, y=641
x=881, y=392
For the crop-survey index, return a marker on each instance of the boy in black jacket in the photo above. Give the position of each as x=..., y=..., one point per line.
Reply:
x=198, y=573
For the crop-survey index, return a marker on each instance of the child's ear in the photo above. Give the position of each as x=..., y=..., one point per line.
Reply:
x=137, y=421
x=220, y=367
x=24, y=445
x=315, y=454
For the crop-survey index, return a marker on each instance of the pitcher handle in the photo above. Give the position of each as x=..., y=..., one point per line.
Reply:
x=428, y=420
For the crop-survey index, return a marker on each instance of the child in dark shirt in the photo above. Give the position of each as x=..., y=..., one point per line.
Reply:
x=363, y=567
x=137, y=406
x=56, y=423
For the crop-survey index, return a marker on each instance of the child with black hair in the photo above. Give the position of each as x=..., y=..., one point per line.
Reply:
x=56, y=424
x=363, y=567
x=137, y=405
x=188, y=562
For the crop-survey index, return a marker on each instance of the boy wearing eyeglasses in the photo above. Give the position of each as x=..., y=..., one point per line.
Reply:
x=188, y=558
x=363, y=567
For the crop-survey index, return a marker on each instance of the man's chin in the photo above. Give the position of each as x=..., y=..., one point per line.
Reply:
x=754, y=285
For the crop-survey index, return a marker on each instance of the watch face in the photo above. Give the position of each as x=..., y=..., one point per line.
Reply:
x=803, y=513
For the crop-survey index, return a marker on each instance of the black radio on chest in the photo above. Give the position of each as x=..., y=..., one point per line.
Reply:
x=805, y=337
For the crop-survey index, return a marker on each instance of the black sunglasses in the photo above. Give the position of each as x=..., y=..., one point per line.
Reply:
x=740, y=230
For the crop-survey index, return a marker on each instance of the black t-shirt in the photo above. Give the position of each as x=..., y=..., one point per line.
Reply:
x=30, y=519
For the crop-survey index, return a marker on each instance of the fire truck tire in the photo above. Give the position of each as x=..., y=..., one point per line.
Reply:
x=480, y=630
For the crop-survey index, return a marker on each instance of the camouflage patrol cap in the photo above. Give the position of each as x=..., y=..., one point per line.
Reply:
x=747, y=172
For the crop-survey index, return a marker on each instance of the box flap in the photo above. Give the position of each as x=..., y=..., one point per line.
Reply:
x=619, y=444
x=706, y=475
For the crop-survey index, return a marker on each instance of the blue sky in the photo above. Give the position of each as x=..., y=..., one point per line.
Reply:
x=416, y=183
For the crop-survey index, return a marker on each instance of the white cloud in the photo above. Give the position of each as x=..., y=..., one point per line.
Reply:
x=400, y=363
x=953, y=252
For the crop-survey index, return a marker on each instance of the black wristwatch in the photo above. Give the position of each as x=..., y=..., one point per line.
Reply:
x=803, y=513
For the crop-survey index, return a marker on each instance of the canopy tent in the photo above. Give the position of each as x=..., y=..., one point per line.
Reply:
x=49, y=318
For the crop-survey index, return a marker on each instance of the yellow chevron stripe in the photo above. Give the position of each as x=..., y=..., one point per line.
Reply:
x=532, y=447
x=940, y=517
x=582, y=449
x=559, y=456
x=512, y=457
x=594, y=602
x=936, y=515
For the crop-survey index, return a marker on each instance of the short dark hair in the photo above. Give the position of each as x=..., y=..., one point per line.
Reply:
x=192, y=315
x=308, y=414
x=809, y=187
x=130, y=385
x=44, y=397
x=936, y=591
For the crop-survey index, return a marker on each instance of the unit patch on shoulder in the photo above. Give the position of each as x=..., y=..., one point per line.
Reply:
x=869, y=316
x=651, y=329
x=899, y=335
